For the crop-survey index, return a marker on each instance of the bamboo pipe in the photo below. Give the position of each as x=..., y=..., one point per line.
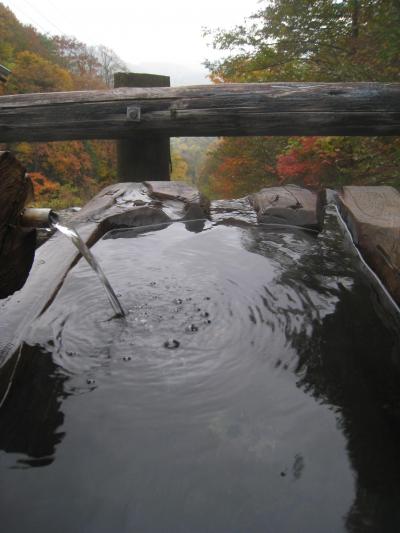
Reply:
x=33, y=217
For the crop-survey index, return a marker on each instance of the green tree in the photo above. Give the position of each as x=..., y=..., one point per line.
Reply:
x=308, y=40
x=318, y=40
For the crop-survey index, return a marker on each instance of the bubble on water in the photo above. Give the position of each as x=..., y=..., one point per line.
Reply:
x=192, y=327
x=205, y=314
x=171, y=344
x=142, y=321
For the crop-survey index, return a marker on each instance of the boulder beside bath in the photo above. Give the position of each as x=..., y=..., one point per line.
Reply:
x=289, y=204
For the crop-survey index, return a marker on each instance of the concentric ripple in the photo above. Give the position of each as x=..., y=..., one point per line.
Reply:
x=201, y=307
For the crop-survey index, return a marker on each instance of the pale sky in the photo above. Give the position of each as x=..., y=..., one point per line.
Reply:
x=140, y=32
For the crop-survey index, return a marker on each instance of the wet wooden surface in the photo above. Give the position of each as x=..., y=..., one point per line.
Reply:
x=373, y=217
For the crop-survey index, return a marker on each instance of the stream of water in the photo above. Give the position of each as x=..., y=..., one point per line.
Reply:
x=252, y=387
x=75, y=238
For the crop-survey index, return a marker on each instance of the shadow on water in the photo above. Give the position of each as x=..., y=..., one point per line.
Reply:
x=31, y=418
x=278, y=410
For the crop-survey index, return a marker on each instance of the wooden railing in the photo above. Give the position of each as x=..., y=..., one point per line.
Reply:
x=206, y=110
x=145, y=116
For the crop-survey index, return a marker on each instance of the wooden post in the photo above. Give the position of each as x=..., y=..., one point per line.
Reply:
x=143, y=158
x=17, y=245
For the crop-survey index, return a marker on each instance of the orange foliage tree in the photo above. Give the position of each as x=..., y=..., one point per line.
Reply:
x=34, y=74
x=236, y=166
x=64, y=173
x=307, y=161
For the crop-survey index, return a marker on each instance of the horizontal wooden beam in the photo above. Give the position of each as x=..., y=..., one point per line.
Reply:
x=206, y=110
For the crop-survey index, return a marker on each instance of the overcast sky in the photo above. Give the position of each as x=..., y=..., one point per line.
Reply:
x=140, y=32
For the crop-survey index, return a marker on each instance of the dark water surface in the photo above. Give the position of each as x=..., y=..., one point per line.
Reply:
x=253, y=387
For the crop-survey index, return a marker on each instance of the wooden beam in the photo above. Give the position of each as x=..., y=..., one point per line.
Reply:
x=17, y=245
x=372, y=214
x=207, y=110
x=136, y=157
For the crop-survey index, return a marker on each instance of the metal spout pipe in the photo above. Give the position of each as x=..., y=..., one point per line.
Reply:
x=33, y=217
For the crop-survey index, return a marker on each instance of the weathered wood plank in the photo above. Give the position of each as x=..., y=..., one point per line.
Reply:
x=373, y=217
x=224, y=109
x=17, y=245
x=136, y=161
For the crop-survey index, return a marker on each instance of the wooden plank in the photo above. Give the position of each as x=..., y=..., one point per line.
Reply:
x=136, y=161
x=17, y=245
x=373, y=217
x=210, y=110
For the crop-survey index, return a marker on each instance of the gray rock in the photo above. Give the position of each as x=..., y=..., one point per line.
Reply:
x=288, y=204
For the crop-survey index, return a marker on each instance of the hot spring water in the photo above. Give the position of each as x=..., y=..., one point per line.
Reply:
x=253, y=386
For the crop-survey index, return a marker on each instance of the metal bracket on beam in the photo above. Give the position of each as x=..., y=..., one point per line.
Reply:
x=133, y=113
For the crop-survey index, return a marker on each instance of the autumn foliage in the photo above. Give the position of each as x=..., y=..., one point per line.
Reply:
x=63, y=173
x=319, y=41
x=305, y=161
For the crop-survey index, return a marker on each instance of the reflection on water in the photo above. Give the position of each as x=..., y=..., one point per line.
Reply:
x=30, y=421
x=254, y=386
